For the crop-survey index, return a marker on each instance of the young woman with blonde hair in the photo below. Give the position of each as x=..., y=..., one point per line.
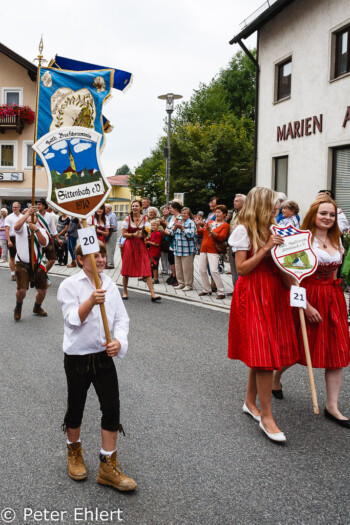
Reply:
x=261, y=330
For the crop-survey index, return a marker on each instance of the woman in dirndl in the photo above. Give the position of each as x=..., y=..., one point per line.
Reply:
x=326, y=313
x=135, y=262
x=261, y=329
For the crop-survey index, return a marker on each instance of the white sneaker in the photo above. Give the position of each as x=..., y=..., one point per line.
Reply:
x=187, y=288
x=179, y=287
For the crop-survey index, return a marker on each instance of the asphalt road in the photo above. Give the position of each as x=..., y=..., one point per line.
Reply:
x=197, y=458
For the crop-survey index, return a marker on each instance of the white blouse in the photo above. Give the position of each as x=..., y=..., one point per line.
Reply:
x=239, y=240
x=143, y=223
x=92, y=221
x=324, y=257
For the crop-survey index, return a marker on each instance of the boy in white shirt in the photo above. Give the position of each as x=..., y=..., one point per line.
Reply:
x=89, y=359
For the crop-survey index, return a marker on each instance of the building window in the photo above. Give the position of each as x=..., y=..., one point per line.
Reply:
x=342, y=52
x=27, y=155
x=281, y=174
x=12, y=96
x=341, y=178
x=8, y=154
x=283, y=79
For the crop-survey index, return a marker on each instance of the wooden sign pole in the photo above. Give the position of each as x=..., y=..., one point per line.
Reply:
x=40, y=60
x=98, y=287
x=308, y=360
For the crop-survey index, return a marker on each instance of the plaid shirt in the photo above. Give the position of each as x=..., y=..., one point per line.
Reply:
x=184, y=240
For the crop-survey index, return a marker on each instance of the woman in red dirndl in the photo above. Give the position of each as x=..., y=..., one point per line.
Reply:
x=261, y=329
x=326, y=313
x=135, y=262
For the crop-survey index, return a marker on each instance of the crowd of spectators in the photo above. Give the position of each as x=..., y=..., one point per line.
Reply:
x=171, y=236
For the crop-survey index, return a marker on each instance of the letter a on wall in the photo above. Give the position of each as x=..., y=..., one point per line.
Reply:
x=70, y=155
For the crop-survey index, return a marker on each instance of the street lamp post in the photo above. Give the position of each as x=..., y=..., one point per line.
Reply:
x=169, y=97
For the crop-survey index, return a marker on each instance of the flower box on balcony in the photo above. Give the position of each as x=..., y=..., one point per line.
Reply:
x=15, y=117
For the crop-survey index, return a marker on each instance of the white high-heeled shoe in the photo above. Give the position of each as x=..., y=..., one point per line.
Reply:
x=247, y=411
x=278, y=436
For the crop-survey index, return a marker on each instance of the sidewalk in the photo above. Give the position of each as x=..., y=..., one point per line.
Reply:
x=163, y=289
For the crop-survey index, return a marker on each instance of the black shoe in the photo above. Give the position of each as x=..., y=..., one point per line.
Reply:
x=154, y=299
x=125, y=297
x=345, y=423
x=170, y=280
x=278, y=394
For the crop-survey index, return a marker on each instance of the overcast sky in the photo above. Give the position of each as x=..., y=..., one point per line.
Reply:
x=168, y=45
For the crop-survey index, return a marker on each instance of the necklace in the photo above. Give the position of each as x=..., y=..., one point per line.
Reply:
x=139, y=220
x=325, y=246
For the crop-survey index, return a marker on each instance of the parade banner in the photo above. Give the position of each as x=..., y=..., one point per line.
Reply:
x=70, y=98
x=71, y=157
x=121, y=79
x=296, y=257
x=68, y=136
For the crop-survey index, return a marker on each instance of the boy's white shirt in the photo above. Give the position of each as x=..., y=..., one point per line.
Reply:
x=89, y=336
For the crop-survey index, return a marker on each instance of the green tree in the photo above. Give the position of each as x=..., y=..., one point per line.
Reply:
x=212, y=159
x=211, y=142
x=207, y=104
x=123, y=170
x=231, y=91
x=238, y=81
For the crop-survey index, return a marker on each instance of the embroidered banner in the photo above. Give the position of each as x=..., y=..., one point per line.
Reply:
x=70, y=98
x=71, y=157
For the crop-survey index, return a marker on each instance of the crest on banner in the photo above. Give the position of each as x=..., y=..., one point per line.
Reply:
x=71, y=157
x=295, y=256
x=72, y=98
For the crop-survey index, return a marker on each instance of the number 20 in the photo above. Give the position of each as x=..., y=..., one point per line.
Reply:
x=88, y=240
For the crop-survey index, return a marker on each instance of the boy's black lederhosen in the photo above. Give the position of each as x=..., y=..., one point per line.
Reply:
x=98, y=369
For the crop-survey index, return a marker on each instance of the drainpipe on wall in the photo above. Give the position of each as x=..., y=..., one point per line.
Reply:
x=256, y=112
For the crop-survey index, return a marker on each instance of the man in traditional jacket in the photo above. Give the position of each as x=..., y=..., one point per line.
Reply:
x=29, y=272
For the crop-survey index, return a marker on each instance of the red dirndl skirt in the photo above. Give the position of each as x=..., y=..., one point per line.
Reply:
x=261, y=328
x=329, y=340
x=135, y=261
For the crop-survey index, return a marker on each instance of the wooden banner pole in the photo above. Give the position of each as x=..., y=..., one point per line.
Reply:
x=98, y=287
x=40, y=60
x=308, y=360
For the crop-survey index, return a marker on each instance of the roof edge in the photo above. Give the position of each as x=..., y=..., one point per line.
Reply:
x=31, y=68
x=261, y=20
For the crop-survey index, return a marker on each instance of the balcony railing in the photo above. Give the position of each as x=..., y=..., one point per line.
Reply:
x=11, y=122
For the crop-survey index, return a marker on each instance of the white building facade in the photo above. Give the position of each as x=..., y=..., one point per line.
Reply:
x=303, y=98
